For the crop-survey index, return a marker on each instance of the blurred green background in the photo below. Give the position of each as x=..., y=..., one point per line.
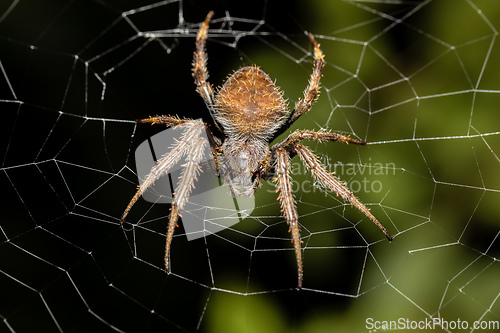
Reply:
x=418, y=81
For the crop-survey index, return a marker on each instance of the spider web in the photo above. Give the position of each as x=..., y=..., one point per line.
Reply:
x=417, y=80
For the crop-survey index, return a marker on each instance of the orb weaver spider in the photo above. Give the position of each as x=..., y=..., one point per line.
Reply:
x=249, y=112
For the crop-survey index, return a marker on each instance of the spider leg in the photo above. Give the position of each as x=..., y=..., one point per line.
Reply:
x=333, y=184
x=311, y=91
x=299, y=135
x=288, y=205
x=164, y=120
x=187, y=179
x=200, y=71
x=193, y=131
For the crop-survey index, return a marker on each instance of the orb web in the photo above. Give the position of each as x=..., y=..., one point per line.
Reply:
x=416, y=80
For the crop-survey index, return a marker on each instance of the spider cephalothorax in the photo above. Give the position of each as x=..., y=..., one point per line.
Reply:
x=250, y=112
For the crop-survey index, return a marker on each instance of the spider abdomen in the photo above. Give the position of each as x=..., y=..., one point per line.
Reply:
x=249, y=105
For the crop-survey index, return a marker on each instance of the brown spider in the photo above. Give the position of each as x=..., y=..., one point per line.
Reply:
x=250, y=112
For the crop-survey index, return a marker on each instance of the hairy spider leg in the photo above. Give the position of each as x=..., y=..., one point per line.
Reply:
x=290, y=146
x=299, y=135
x=291, y=143
x=310, y=93
x=191, y=143
x=189, y=175
x=288, y=206
x=330, y=181
x=193, y=131
x=200, y=71
x=169, y=121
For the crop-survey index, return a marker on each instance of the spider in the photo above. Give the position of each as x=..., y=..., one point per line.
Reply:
x=249, y=112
